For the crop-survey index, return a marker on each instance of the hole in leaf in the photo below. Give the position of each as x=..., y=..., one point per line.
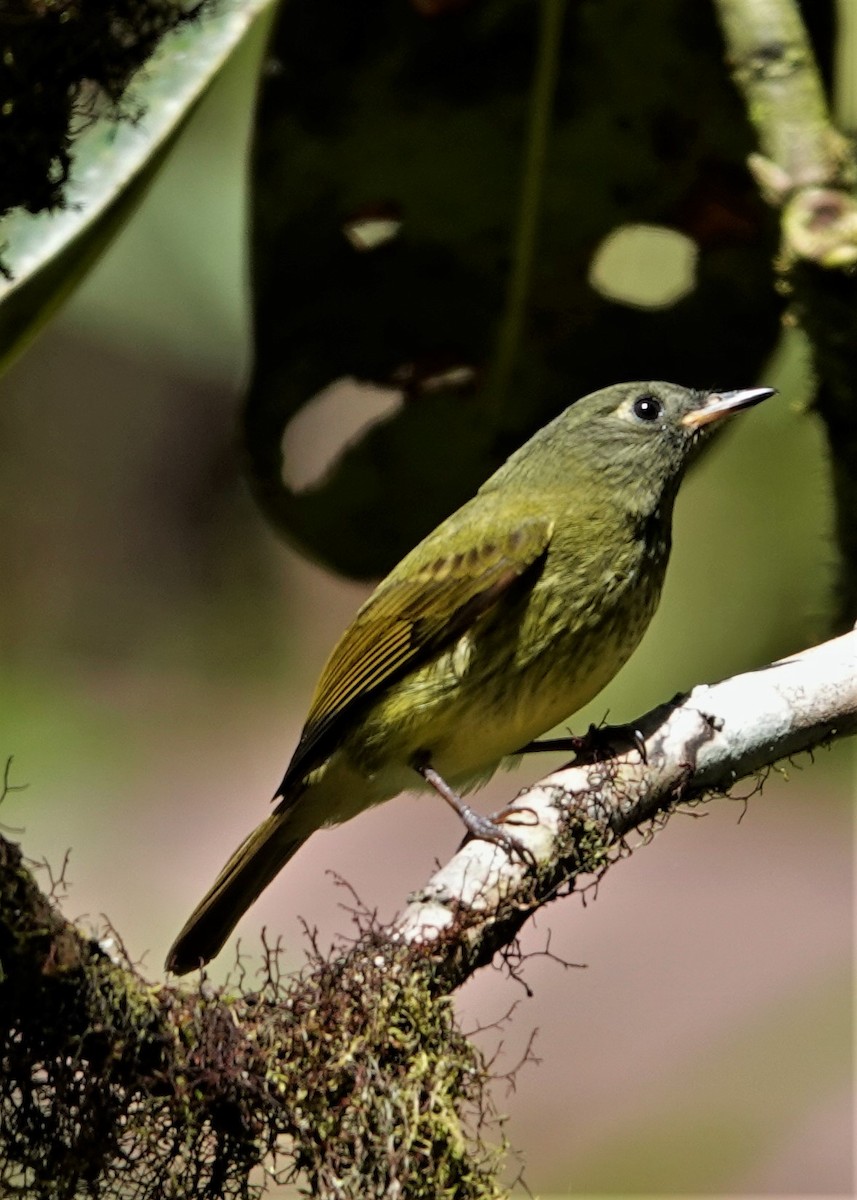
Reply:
x=373, y=225
x=645, y=266
x=334, y=419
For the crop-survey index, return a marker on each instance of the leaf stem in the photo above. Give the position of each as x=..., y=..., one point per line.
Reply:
x=552, y=13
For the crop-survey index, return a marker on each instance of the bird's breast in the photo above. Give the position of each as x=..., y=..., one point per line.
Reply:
x=518, y=672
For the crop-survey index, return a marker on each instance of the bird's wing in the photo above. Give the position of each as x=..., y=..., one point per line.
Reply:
x=408, y=620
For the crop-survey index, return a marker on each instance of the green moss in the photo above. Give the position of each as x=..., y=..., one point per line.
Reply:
x=352, y=1076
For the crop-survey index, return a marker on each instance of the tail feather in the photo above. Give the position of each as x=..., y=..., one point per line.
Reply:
x=245, y=876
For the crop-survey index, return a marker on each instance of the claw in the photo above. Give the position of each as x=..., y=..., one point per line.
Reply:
x=640, y=743
x=515, y=810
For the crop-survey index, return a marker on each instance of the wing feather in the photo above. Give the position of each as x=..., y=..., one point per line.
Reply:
x=405, y=621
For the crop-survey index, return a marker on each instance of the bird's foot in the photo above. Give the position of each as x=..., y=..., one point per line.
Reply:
x=488, y=829
x=598, y=743
x=566, y=745
x=606, y=741
x=588, y=747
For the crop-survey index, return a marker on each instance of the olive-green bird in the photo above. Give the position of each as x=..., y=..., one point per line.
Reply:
x=506, y=619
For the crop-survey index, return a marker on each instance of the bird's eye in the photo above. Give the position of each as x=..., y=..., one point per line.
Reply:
x=647, y=408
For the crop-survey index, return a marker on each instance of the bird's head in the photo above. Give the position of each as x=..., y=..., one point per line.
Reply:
x=633, y=436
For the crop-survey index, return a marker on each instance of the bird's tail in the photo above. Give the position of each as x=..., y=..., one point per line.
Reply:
x=245, y=876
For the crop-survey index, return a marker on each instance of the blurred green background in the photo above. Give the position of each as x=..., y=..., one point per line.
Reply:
x=160, y=646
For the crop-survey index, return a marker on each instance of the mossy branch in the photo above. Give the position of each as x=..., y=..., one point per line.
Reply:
x=353, y=1075
x=807, y=168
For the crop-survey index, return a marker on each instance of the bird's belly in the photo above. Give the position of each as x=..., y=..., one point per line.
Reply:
x=466, y=715
x=499, y=721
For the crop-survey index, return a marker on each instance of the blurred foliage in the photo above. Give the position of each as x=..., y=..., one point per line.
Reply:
x=503, y=144
x=73, y=92
x=480, y=308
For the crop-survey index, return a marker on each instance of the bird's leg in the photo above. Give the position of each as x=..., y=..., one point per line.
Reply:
x=477, y=825
x=571, y=744
x=597, y=743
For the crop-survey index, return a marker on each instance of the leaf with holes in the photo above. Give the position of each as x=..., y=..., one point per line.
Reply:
x=486, y=210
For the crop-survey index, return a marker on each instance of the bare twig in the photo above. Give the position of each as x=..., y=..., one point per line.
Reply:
x=702, y=743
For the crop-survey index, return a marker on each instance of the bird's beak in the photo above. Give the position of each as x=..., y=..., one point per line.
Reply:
x=721, y=404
